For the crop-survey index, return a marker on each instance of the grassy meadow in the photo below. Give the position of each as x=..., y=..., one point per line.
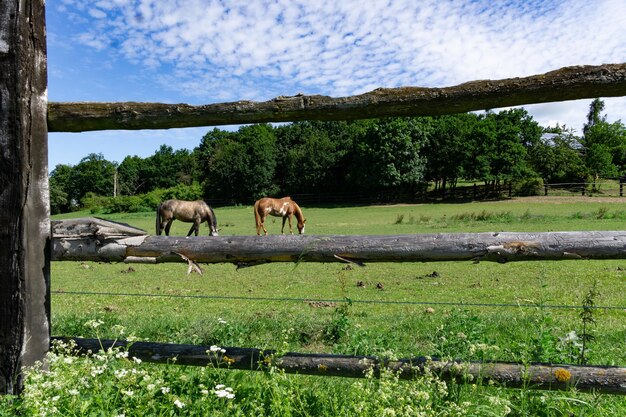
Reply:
x=462, y=310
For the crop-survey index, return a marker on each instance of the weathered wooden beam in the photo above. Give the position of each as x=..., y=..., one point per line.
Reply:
x=600, y=379
x=114, y=245
x=24, y=204
x=570, y=83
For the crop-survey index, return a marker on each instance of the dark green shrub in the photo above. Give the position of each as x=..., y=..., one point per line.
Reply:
x=527, y=187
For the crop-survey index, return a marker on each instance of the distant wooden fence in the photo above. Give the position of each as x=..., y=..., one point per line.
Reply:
x=611, y=189
x=26, y=118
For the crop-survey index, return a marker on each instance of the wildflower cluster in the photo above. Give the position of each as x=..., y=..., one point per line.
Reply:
x=222, y=391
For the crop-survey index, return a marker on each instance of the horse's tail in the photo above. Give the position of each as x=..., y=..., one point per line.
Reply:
x=158, y=220
x=257, y=216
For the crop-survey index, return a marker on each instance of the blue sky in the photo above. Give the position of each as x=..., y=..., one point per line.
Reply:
x=208, y=51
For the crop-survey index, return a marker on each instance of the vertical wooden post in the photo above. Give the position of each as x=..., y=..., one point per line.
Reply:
x=24, y=197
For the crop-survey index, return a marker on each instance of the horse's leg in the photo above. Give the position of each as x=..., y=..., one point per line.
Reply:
x=167, y=226
x=290, y=229
x=195, y=227
x=263, y=217
x=282, y=230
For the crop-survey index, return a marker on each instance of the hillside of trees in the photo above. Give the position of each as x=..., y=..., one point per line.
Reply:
x=394, y=155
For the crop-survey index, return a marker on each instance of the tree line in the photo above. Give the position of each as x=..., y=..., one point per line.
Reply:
x=400, y=154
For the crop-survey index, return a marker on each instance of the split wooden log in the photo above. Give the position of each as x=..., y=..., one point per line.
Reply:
x=100, y=240
x=600, y=379
x=570, y=83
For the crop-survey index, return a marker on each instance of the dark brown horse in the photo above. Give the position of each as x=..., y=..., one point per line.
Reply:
x=280, y=207
x=194, y=212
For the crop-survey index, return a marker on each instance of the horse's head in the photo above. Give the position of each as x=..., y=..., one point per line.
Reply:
x=301, y=225
x=212, y=222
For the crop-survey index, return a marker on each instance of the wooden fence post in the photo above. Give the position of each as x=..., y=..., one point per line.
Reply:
x=24, y=201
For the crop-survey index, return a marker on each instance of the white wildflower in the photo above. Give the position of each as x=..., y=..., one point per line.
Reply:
x=94, y=324
x=119, y=355
x=222, y=391
x=178, y=403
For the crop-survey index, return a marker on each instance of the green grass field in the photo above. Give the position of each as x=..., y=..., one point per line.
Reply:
x=399, y=309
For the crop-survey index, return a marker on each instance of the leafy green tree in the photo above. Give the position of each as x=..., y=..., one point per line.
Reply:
x=203, y=153
x=613, y=137
x=604, y=143
x=448, y=148
x=92, y=174
x=557, y=158
x=594, y=116
x=167, y=167
x=388, y=154
x=309, y=157
x=599, y=162
x=514, y=133
x=480, y=142
x=60, y=185
x=132, y=176
x=241, y=166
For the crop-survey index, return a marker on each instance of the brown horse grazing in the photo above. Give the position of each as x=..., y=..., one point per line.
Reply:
x=194, y=212
x=280, y=207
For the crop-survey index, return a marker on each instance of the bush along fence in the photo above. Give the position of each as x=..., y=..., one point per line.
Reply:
x=24, y=204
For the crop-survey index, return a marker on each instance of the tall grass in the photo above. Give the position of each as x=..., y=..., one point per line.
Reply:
x=111, y=383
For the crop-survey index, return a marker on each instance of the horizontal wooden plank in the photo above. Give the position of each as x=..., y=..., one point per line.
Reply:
x=251, y=250
x=570, y=83
x=600, y=379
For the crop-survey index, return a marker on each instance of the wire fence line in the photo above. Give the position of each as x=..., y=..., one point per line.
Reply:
x=344, y=300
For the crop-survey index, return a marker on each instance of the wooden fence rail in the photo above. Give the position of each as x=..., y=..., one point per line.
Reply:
x=100, y=240
x=600, y=379
x=568, y=83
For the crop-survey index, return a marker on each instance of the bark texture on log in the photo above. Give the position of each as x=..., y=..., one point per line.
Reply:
x=24, y=203
x=601, y=379
x=134, y=244
x=570, y=83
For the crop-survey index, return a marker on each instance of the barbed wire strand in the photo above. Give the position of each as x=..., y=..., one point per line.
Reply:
x=345, y=300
